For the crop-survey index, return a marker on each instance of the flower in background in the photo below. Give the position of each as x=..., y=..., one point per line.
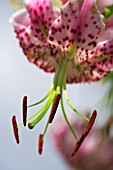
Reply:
x=61, y=40
x=95, y=153
x=106, y=103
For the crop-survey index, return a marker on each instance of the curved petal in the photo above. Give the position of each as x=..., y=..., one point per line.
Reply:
x=91, y=71
x=63, y=31
x=104, y=3
x=109, y=22
x=90, y=27
x=64, y=1
x=37, y=52
x=42, y=13
x=75, y=27
x=20, y=19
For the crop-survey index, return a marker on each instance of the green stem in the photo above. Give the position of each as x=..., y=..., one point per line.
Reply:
x=60, y=72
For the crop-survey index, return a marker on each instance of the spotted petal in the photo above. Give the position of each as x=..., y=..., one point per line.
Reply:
x=42, y=14
x=105, y=46
x=90, y=71
x=36, y=51
x=75, y=25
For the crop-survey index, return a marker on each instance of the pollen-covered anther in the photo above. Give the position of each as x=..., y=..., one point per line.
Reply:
x=90, y=123
x=40, y=144
x=24, y=110
x=85, y=133
x=54, y=107
x=78, y=144
x=15, y=129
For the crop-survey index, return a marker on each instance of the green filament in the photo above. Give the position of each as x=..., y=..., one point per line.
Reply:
x=71, y=106
x=69, y=125
x=46, y=96
x=58, y=87
x=42, y=114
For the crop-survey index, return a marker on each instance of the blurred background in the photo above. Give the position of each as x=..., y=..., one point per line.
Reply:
x=18, y=78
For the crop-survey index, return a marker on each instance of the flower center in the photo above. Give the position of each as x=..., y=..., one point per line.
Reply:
x=58, y=87
x=55, y=95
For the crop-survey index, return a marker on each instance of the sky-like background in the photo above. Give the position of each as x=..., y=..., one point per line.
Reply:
x=18, y=78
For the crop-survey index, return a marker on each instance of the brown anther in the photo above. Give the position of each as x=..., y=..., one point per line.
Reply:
x=90, y=123
x=85, y=133
x=40, y=144
x=24, y=110
x=15, y=129
x=54, y=107
x=78, y=144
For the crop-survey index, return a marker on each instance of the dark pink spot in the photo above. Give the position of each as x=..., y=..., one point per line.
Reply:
x=51, y=38
x=83, y=41
x=86, y=25
x=41, y=8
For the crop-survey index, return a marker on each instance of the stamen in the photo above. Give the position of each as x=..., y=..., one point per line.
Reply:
x=24, y=110
x=78, y=144
x=90, y=123
x=85, y=133
x=30, y=125
x=15, y=129
x=40, y=144
x=54, y=107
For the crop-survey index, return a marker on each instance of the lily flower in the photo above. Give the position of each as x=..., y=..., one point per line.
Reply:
x=71, y=41
x=95, y=153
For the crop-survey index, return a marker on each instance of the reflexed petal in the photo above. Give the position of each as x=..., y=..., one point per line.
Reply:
x=104, y=3
x=36, y=51
x=109, y=21
x=64, y=30
x=91, y=71
x=78, y=19
x=90, y=27
x=20, y=19
x=105, y=45
x=42, y=14
x=64, y=1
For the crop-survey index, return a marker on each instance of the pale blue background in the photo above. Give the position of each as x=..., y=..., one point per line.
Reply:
x=18, y=78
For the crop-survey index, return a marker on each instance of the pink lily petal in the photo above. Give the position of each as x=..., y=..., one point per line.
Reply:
x=89, y=72
x=64, y=1
x=109, y=21
x=75, y=26
x=92, y=57
x=105, y=45
x=91, y=20
x=42, y=14
x=104, y=3
x=36, y=51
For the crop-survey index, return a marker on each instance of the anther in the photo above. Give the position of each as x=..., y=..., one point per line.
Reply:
x=90, y=123
x=30, y=126
x=15, y=129
x=24, y=110
x=40, y=144
x=85, y=133
x=54, y=107
x=78, y=144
